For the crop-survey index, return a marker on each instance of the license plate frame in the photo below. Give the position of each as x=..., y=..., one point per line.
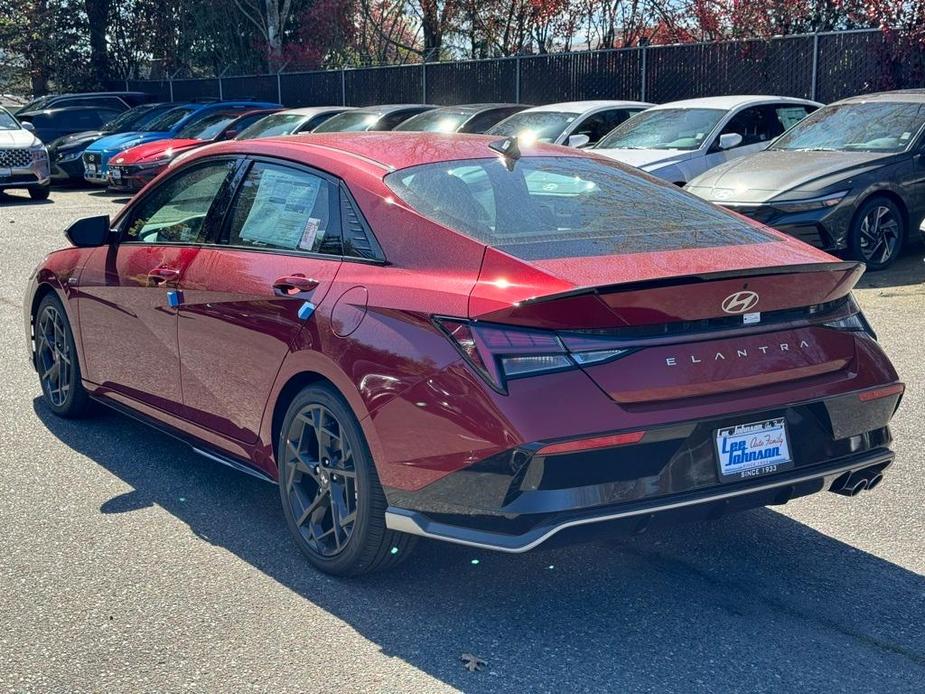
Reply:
x=116, y=174
x=754, y=449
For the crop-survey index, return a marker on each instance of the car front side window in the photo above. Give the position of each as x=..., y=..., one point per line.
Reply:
x=176, y=211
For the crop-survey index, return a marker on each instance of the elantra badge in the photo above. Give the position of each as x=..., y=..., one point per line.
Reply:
x=740, y=302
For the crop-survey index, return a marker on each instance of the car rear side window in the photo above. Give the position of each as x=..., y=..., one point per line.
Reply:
x=287, y=209
x=176, y=211
x=557, y=207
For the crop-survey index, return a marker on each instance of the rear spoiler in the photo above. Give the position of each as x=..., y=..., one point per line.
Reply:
x=853, y=271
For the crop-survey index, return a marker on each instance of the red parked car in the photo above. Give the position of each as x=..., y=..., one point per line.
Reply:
x=132, y=169
x=443, y=336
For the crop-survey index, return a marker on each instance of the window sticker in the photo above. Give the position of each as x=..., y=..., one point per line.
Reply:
x=282, y=202
x=309, y=234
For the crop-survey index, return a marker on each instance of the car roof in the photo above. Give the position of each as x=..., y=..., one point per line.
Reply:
x=585, y=106
x=314, y=110
x=727, y=103
x=475, y=108
x=382, y=109
x=384, y=150
x=896, y=96
x=84, y=94
x=66, y=109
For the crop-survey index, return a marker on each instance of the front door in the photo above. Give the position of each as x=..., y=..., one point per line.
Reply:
x=247, y=297
x=128, y=324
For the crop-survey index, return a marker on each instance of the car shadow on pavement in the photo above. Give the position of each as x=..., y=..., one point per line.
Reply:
x=7, y=199
x=909, y=269
x=755, y=601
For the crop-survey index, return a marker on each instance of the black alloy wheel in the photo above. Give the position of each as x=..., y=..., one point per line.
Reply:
x=332, y=499
x=877, y=233
x=56, y=361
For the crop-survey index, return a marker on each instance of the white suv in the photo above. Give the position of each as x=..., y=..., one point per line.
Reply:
x=680, y=140
x=23, y=158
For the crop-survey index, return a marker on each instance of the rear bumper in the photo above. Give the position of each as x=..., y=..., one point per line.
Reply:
x=636, y=517
x=520, y=498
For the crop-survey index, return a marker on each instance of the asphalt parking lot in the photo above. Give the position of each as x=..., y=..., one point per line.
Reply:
x=128, y=564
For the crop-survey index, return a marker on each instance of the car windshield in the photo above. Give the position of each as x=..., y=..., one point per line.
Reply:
x=664, y=128
x=436, y=121
x=857, y=127
x=209, y=127
x=7, y=122
x=535, y=126
x=127, y=119
x=353, y=121
x=167, y=120
x=559, y=207
x=270, y=126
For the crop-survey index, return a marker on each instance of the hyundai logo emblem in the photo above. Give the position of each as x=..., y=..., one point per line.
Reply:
x=740, y=302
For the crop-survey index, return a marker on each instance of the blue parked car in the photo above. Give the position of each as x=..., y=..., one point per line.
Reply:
x=96, y=157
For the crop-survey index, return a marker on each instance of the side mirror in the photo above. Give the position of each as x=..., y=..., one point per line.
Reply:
x=729, y=140
x=230, y=134
x=577, y=140
x=89, y=232
x=26, y=125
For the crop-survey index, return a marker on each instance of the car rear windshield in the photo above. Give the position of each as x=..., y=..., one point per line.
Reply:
x=557, y=207
x=874, y=126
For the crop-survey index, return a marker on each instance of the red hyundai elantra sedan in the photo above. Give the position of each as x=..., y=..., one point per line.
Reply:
x=422, y=335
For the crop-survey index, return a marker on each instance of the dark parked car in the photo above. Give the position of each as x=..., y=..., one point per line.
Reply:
x=417, y=339
x=57, y=122
x=65, y=152
x=465, y=118
x=114, y=101
x=851, y=176
x=385, y=117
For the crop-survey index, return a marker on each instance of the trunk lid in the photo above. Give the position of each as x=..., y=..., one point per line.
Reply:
x=686, y=325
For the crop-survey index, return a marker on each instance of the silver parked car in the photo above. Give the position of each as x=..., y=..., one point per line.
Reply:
x=682, y=139
x=23, y=158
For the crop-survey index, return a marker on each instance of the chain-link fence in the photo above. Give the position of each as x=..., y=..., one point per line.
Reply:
x=824, y=67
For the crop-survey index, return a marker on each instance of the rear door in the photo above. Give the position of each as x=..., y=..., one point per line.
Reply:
x=248, y=295
x=128, y=322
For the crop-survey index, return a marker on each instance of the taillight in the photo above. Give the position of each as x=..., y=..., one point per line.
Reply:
x=853, y=322
x=500, y=353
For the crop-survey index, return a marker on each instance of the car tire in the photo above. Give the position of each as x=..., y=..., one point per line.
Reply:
x=56, y=361
x=39, y=192
x=330, y=492
x=877, y=233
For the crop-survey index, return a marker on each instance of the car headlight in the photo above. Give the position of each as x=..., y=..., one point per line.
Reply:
x=69, y=155
x=39, y=153
x=810, y=203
